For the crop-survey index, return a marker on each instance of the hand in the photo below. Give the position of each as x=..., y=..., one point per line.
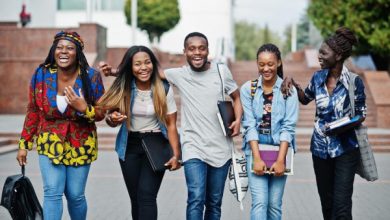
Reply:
x=106, y=69
x=278, y=168
x=173, y=163
x=77, y=102
x=259, y=167
x=235, y=128
x=116, y=118
x=286, y=86
x=21, y=157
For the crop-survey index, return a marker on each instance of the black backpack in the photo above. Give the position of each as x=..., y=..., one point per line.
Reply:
x=20, y=199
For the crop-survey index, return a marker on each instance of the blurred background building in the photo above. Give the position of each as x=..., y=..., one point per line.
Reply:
x=217, y=14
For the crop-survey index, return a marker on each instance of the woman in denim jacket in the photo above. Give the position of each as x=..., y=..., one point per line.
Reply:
x=142, y=103
x=269, y=118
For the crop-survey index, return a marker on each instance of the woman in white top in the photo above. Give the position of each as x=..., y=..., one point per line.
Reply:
x=142, y=103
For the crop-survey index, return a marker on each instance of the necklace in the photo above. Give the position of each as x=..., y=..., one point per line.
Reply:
x=144, y=94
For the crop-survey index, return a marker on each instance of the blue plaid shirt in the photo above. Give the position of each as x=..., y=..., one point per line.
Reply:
x=330, y=108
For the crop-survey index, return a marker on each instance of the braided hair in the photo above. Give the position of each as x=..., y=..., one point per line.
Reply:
x=342, y=41
x=275, y=50
x=50, y=62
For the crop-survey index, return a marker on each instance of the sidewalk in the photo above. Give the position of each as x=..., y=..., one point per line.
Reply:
x=108, y=199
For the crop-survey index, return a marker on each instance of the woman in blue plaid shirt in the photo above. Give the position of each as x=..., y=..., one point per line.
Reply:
x=336, y=156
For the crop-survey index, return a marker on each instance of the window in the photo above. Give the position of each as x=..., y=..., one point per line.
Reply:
x=67, y=5
x=97, y=5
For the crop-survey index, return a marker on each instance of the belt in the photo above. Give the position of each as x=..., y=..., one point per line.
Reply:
x=143, y=133
x=264, y=131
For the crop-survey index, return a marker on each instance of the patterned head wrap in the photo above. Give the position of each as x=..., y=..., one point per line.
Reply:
x=74, y=37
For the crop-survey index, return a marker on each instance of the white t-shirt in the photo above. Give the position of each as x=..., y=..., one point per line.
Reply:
x=143, y=116
x=61, y=103
x=201, y=134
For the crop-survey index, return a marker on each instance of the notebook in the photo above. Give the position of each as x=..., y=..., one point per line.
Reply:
x=157, y=149
x=341, y=125
x=269, y=154
x=225, y=116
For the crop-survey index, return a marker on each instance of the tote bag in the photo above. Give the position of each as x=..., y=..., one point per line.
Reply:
x=367, y=166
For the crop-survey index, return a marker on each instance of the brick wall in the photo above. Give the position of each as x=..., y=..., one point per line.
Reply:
x=23, y=49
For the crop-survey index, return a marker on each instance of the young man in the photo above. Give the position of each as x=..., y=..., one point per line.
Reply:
x=206, y=151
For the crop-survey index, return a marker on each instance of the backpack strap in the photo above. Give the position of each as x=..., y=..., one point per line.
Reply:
x=253, y=87
x=253, y=92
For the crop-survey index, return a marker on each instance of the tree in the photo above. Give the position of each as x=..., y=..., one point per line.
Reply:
x=303, y=32
x=155, y=16
x=369, y=19
x=249, y=37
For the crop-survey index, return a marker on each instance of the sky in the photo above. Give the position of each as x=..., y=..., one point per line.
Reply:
x=278, y=14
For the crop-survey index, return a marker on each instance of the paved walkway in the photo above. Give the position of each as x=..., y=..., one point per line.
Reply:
x=108, y=199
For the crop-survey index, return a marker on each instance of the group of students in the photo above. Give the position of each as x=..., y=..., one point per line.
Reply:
x=67, y=96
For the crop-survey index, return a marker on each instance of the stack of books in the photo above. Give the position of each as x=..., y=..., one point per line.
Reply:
x=341, y=125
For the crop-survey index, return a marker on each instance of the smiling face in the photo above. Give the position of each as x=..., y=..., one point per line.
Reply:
x=327, y=57
x=196, y=52
x=65, y=54
x=142, y=67
x=267, y=64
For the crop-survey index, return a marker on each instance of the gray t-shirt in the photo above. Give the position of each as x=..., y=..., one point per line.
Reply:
x=201, y=134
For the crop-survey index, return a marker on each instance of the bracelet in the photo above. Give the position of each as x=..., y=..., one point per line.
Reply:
x=179, y=161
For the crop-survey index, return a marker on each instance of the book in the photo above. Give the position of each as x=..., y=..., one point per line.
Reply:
x=157, y=149
x=225, y=116
x=341, y=125
x=339, y=122
x=269, y=154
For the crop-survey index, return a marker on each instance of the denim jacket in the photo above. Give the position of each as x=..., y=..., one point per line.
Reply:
x=284, y=114
x=121, y=138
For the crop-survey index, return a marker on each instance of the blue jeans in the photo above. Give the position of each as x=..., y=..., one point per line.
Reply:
x=60, y=179
x=266, y=191
x=205, y=185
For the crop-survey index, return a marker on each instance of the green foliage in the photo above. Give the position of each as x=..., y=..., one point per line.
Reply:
x=369, y=19
x=249, y=37
x=303, y=32
x=155, y=16
x=287, y=43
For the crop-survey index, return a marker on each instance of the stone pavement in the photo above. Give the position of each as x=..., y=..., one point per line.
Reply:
x=108, y=198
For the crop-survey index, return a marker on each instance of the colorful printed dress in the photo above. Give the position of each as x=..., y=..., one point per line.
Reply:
x=67, y=138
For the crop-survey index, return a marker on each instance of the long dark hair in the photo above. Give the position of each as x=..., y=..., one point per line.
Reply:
x=118, y=96
x=275, y=50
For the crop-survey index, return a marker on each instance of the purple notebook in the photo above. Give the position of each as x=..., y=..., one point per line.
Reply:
x=269, y=157
x=269, y=154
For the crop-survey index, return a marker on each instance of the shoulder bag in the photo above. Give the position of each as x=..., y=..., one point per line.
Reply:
x=367, y=166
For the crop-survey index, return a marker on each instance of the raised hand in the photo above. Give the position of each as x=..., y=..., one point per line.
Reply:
x=77, y=102
x=107, y=69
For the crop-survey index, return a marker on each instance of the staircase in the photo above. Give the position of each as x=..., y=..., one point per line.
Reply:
x=242, y=72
